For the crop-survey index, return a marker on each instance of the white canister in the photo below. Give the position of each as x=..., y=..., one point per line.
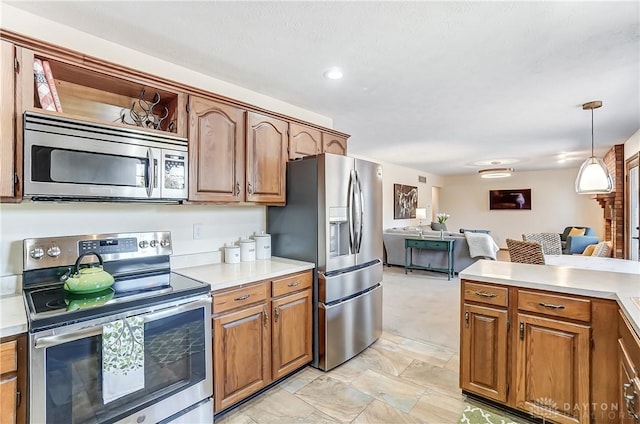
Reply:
x=263, y=245
x=231, y=253
x=247, y=250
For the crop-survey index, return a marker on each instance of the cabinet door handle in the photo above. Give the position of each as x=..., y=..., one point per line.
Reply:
x=243, y=297
x=485, y=294
x=295, y=283
x=265, y=317
x=249, y=188
x=551, y=305
x=521, y=330
x=466, y=319
x=276, y=314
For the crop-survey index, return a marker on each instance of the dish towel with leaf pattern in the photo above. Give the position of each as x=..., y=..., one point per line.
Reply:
x=122, y=358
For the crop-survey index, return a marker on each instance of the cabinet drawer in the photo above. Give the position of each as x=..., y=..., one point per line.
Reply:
x=555, y=305
x=290, y=284
x=239, y=297
x=428, y=244
x=8, y=357
x=484, y=293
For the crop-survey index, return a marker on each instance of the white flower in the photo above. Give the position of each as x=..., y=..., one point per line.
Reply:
x=442, y=217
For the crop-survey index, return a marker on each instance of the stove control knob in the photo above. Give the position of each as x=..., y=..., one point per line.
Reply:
x=143, y=244
x=37, y=252
x=153, y=243
x=165, y=243
x=54, y=251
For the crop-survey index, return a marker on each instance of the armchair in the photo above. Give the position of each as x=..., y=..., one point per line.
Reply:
x=577, y=244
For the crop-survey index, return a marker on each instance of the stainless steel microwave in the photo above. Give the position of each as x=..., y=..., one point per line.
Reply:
x=68, y=159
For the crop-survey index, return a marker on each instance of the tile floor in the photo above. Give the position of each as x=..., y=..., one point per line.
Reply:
x=399, y=379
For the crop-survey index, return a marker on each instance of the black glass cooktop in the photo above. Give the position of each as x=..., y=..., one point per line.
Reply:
x=51, y=306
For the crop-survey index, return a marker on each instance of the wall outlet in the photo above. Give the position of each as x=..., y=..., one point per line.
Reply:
x=197, y=231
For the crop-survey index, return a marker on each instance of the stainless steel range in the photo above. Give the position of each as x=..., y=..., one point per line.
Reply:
x=137, y=351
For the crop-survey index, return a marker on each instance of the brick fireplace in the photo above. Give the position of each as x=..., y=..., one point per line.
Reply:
x=613, y=203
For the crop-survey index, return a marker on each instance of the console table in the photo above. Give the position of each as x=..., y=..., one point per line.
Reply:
x=445, y=245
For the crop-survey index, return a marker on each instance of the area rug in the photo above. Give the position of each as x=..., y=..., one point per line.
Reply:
x=474, y=415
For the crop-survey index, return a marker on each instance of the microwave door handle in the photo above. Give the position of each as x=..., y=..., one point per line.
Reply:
x=151, y=170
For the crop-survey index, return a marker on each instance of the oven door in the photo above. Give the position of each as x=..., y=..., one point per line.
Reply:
x=66, y=368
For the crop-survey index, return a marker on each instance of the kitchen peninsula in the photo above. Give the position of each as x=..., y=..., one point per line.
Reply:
x=549, y=340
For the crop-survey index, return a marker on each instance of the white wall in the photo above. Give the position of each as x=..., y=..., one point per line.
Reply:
x=554, y=204
x=220, y=224
x=394, y=174
x=632, y=145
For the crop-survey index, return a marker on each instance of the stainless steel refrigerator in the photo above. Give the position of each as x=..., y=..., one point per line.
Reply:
x=333, y=217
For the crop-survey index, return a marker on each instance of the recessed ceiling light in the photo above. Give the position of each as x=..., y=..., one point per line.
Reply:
x=496, y=172
x=334, y=74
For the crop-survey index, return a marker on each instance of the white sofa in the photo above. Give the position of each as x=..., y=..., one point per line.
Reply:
x=395, y=254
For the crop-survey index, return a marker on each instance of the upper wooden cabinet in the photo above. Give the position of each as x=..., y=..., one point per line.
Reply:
x=334, y=144
x=8, y=70
x=216, y=151
x=266, y=159
x=304, y=141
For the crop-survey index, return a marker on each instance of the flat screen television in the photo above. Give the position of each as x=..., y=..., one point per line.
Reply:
x=518, y=199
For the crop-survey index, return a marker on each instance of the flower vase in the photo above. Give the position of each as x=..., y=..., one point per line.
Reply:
x=441, y=234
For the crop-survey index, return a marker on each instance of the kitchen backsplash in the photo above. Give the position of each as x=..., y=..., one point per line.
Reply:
x=211, y=225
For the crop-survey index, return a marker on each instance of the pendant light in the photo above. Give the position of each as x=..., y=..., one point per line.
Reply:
x=593, y=177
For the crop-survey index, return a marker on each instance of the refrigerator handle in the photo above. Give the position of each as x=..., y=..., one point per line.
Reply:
x=359, y=212
x=350, y=200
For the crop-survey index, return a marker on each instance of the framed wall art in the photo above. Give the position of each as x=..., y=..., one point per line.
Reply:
x=518, y=199
x=405, y=201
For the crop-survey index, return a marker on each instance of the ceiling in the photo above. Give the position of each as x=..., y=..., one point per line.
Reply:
x=442, y=87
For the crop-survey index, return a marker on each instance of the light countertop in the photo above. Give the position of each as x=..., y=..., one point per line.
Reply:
x=604, y=284
x=13, y=319
x=222, y=276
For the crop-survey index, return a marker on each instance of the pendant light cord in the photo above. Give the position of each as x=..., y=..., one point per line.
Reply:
x=591, y=132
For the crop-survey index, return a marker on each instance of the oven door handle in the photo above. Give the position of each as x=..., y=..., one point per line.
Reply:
x=50, y=341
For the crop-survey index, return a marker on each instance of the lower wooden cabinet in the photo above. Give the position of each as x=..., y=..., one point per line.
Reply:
x=484, y=349
x=552, y=369
x=13, y=374
x=628, y=372
x=544, y=353
x=261, y=332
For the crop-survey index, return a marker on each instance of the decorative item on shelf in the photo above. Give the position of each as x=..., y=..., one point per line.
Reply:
x=593, y=177
x=142, y=113
x=42, y=87
x=442, y=218
x=496, y=172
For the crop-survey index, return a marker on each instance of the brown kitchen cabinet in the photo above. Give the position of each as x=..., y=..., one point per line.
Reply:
x=335, y=144
x=216, y=151
x=235, y=156
x=9, y=67
x=13, y=384
x=291, y=329
x=628, y=372
x=483, y=340
x=548, y=354
x=304, y=141
x=261, y=333
x=266, y=160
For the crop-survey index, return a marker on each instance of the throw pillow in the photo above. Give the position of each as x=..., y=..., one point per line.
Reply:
x=436, y=226
x=588, y=251
x=602, y=249
x=576, y=231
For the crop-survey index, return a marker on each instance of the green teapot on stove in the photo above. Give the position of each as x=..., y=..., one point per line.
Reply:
x=87, y=280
